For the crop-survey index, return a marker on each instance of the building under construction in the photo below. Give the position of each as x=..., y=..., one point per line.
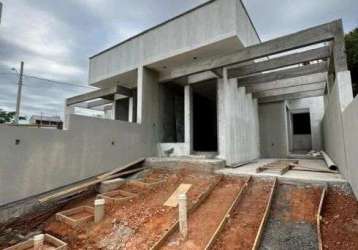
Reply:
x=260, y=136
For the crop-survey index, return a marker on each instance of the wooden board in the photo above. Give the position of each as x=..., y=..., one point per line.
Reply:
x=84, y=186
x=227, y=215
x=173, y=199
x=319, y=218
x=114, y=171
x=265, y=217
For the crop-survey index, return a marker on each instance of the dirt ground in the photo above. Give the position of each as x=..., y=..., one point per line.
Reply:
x=339, y=226
x=242, y=227
x=137, y=223
x=205, y=220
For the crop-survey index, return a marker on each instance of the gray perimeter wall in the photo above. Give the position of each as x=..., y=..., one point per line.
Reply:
x=48, y=159
x=273, y=130
x=340, y=128
x=237, y=123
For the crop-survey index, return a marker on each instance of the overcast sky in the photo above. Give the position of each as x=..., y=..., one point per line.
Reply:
x=55, y=38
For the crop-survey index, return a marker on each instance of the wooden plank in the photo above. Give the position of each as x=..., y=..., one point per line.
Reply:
x=175, y=226
x=265, y=217
x=280, y=62
x=284, y=74
x=140, y=160
x=227, y=215
x=84, y=186
x=314, y=35
x=319, y=218
x=173, y=199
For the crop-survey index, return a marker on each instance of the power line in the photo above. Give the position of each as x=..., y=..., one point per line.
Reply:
x=52, y=81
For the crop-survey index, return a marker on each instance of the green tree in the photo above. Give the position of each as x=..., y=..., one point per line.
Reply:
x=351, y=40
x=8, y=117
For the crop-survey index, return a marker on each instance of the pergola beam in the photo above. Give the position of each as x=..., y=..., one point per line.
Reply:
x=106, y=93
x=297, y=81
x=280, y=62
x=284, y=74
x=318, y=34
x=290, y=90
x=297, y=95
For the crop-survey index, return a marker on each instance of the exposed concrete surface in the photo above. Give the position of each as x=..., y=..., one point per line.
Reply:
x=340, y=126
x=315, y=106
x=238, y=124
x=228, y=21
x=250, y=169
x=273, y=130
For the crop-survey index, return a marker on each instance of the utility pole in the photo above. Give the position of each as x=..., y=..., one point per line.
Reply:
x=19, y=89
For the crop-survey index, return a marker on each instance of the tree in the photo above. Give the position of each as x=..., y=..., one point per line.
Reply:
x=351, y=40
x=8, y=117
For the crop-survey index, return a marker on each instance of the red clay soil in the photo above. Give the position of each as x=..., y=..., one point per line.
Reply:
x=304, y=204
x=241, y=229
x=207, y=217
x=137, y=223
x=339, y=226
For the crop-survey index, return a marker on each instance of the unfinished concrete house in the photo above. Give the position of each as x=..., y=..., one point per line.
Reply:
x=261, y=137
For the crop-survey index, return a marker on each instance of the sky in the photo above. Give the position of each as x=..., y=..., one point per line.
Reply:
x=56, y=38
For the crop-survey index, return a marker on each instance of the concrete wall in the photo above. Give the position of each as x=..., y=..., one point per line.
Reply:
x=340, y=126
x=315, y=105
x=237, y=123
x=48, y=159
x=273, y=130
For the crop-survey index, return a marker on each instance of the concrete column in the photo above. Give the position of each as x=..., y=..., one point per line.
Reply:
x=69, y=110
x=222, y=118
x=130, y=109
x=188, y=118
x=99, y=210
x=183, y=216
x=39, y=241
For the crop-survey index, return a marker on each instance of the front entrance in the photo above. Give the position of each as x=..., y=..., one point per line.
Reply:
x=205, y=116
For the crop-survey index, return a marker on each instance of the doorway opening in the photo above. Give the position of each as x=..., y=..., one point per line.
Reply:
x=205, y=135
x=301, y=136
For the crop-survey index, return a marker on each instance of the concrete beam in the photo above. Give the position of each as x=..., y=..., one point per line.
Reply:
x=318, y=34
x=290, y=90
x=284, y=74
x=106, y=93
x=298, y=95
x=297, y=81
x=280, y=62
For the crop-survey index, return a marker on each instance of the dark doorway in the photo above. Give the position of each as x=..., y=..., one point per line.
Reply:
x=301, y=132
x=205, y=116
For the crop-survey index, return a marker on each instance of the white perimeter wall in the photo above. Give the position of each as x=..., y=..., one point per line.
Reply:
x=238, y=125
x=340, y=126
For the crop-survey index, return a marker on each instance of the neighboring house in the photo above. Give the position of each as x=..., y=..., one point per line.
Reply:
x=46, y=121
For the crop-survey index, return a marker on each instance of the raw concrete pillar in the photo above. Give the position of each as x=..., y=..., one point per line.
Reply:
x=183, y=216
x=99, y=210
x=130, y=109
x=69, y=110
x=39, y=241
x=188, y=118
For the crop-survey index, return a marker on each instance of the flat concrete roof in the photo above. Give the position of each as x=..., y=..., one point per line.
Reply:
x=172, y=19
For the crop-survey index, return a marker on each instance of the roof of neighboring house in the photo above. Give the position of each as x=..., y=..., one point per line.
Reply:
x=46, y=118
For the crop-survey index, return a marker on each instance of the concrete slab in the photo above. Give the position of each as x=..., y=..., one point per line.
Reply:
x=250, y=169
